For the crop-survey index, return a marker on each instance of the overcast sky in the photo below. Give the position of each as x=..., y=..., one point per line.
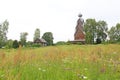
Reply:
x=56, y=16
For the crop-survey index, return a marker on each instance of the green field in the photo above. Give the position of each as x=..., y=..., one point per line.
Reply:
x=66, y=62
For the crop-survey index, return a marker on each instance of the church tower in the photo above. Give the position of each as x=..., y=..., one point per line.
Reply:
x=79, y=33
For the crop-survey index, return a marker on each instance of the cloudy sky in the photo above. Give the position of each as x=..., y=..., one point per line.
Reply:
x=56, y=16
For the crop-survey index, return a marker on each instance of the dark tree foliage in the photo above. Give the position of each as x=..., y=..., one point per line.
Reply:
x=48, y=36
x=15, y=44
x=98, y=41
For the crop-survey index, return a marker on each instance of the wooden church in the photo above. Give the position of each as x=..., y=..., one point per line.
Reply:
x=79, y=36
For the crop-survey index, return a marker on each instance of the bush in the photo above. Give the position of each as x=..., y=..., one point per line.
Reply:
x=79, y=43
x=61, y=43
x=68, y=43
x=98, y=41
x=29, y=44
x=15, y=44
x=9, y=44
x=36, y=45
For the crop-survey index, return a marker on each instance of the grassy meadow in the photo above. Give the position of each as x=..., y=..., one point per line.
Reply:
x=66, y=62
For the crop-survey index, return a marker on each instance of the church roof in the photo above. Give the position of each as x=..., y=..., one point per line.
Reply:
x=43, y=40
x=40, y=41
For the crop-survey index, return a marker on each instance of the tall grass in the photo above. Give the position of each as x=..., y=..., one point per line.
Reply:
x=66, y=62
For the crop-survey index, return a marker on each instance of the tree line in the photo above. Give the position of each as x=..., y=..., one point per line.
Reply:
x=5, y=43
x=95, y=32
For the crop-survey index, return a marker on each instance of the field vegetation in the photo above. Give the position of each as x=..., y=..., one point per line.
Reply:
x=65, y=62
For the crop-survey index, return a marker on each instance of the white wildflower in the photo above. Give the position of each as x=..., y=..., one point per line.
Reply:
x=43, y=70
x=83, y=77
x=39, y=69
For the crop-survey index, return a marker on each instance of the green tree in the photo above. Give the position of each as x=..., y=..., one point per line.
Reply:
x=3, y=33
x=23, y=38
x=95, y=30
x=48, y=36
x=15, y=44
x=37, y=34
x=101, y=30
x=118, y=32
x=114, y=33
x=29, y=44
x=9, y=44
x=90, y=30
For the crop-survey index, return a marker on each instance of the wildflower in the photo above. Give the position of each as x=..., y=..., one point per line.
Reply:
x=83, y=77
x=39, y=69
x=43, y=70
